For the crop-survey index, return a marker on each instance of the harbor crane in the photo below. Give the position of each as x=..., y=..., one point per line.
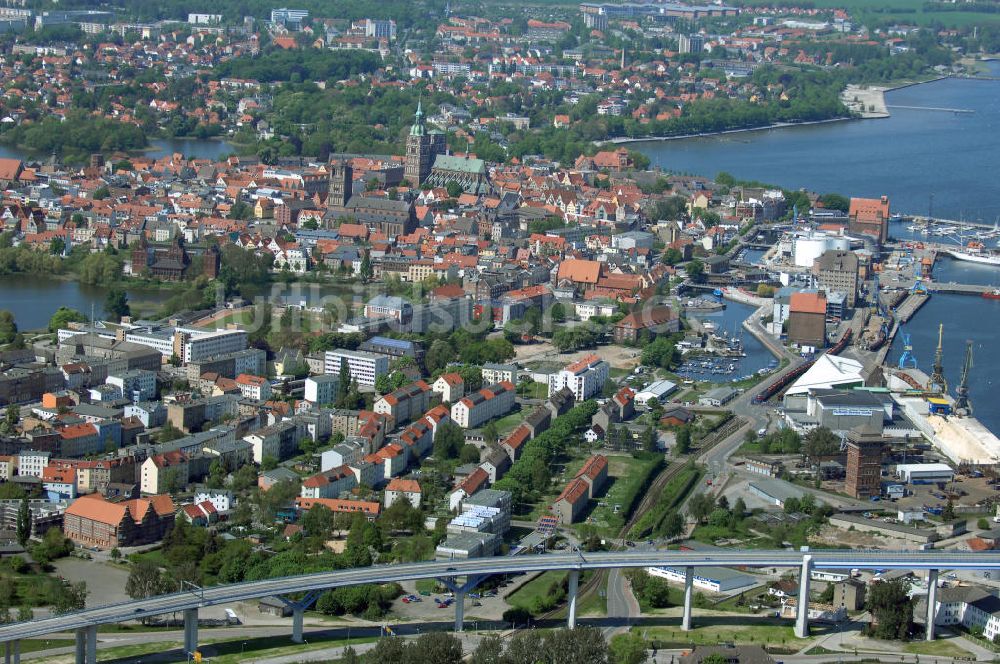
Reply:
x=907, y=360
x=938, y=382
x=962, y=402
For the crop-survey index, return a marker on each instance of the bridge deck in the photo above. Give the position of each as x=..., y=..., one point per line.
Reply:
x=822, y=559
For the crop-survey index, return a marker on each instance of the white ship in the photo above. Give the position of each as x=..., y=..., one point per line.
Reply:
x=975, y=252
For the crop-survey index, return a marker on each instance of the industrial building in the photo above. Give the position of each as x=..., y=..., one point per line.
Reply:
x=775, y=491
x=712, y=579
x=925, y=472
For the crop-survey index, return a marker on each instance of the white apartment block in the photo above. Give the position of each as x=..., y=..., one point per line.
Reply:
x=450, y=386
x=31, y=462
x=221, y=500
x=479, y=407
x=135, y=385
x=254, y=387
x=498, y=373
x=364, y=367
x=584, y=378
x=199, y=345
x=322, y=389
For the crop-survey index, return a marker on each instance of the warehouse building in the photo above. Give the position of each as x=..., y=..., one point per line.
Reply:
x=712, y=579
x=925, y=472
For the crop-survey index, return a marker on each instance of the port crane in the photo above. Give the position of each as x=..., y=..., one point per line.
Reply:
x=907, y=360
x=938, y=382
x=962, y=402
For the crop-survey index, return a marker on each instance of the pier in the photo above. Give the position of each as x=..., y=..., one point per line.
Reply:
x=933, y=108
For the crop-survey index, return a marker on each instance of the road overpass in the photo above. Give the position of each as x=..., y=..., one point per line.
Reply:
x=463, y=575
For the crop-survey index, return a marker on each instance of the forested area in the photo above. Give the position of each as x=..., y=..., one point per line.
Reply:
x=76, y=137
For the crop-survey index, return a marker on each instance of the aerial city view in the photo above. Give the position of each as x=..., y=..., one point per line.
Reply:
x=499, y=331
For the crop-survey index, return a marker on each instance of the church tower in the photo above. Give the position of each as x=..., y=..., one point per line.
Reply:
x=419, y=151
x=341, y=183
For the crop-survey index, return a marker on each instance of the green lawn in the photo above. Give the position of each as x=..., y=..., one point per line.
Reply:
x=508, y=423
x=738, y=630
x=939, y=648
x=428, y=585
x=34, y=645
x=627, y=475
x=533, y=390
x=533, y=591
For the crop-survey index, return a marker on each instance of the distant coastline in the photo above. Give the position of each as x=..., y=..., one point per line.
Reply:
x=621, y=140
x=775, y=125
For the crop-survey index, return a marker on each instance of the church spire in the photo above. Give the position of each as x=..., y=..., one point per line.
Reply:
x=418, y=128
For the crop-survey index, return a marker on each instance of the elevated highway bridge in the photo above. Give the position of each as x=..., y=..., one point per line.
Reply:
x=463, y=575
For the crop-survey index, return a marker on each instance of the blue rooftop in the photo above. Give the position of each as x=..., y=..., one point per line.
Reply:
x=392, y=343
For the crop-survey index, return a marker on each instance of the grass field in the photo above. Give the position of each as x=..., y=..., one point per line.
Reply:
x=627, y=475
x=527, y=596
x=939, y=648
x=34, y=645
x=737, y=630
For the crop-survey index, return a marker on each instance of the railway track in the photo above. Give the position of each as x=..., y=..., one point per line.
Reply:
x=599, y=579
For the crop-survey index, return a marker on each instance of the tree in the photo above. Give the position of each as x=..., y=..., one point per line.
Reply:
x=695, y=270
x=145, y=580
x=116, y=304
x=627, y=648
x=491, y=433
x=700, y=506
x=10, y=419
x=448, y=440
x=468, y=454
x=489, y=650
x=366, y=271
x=583, y=644
x=318, y=522
x=72, y=598
x=683, y=444
x=63, y=317
x=672, y=256
x=891, y=608
x=436, y=648
x=8, y=328
x=660, y=353
x=820, y=442
x=438, y=356
x=116, y=554
x=23, y=522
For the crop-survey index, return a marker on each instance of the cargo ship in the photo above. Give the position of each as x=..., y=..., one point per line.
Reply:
x=993, y=294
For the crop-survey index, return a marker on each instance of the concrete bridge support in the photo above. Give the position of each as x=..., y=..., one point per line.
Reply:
x=932, y=582
x=459, y=610
x=802, y=610
x=574, y=586
x=190, y=630
x=86, y=645
x=12, y=652
x=688, y=595
x=297, y=615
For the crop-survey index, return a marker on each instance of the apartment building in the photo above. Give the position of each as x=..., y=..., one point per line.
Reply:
x=406, y=403
x=364, y=367
x=585, y=377
x=278, y=441
x=321, y=390
x=498, y=373
x=450, y=386
x=254, y=387
x=134, y=385
x=492, y=401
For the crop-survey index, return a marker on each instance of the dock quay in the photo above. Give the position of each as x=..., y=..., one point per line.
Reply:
x=910, y=306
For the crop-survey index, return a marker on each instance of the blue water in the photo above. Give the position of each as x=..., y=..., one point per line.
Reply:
x=964, y=317
x=730, y=320
x=908, y=156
